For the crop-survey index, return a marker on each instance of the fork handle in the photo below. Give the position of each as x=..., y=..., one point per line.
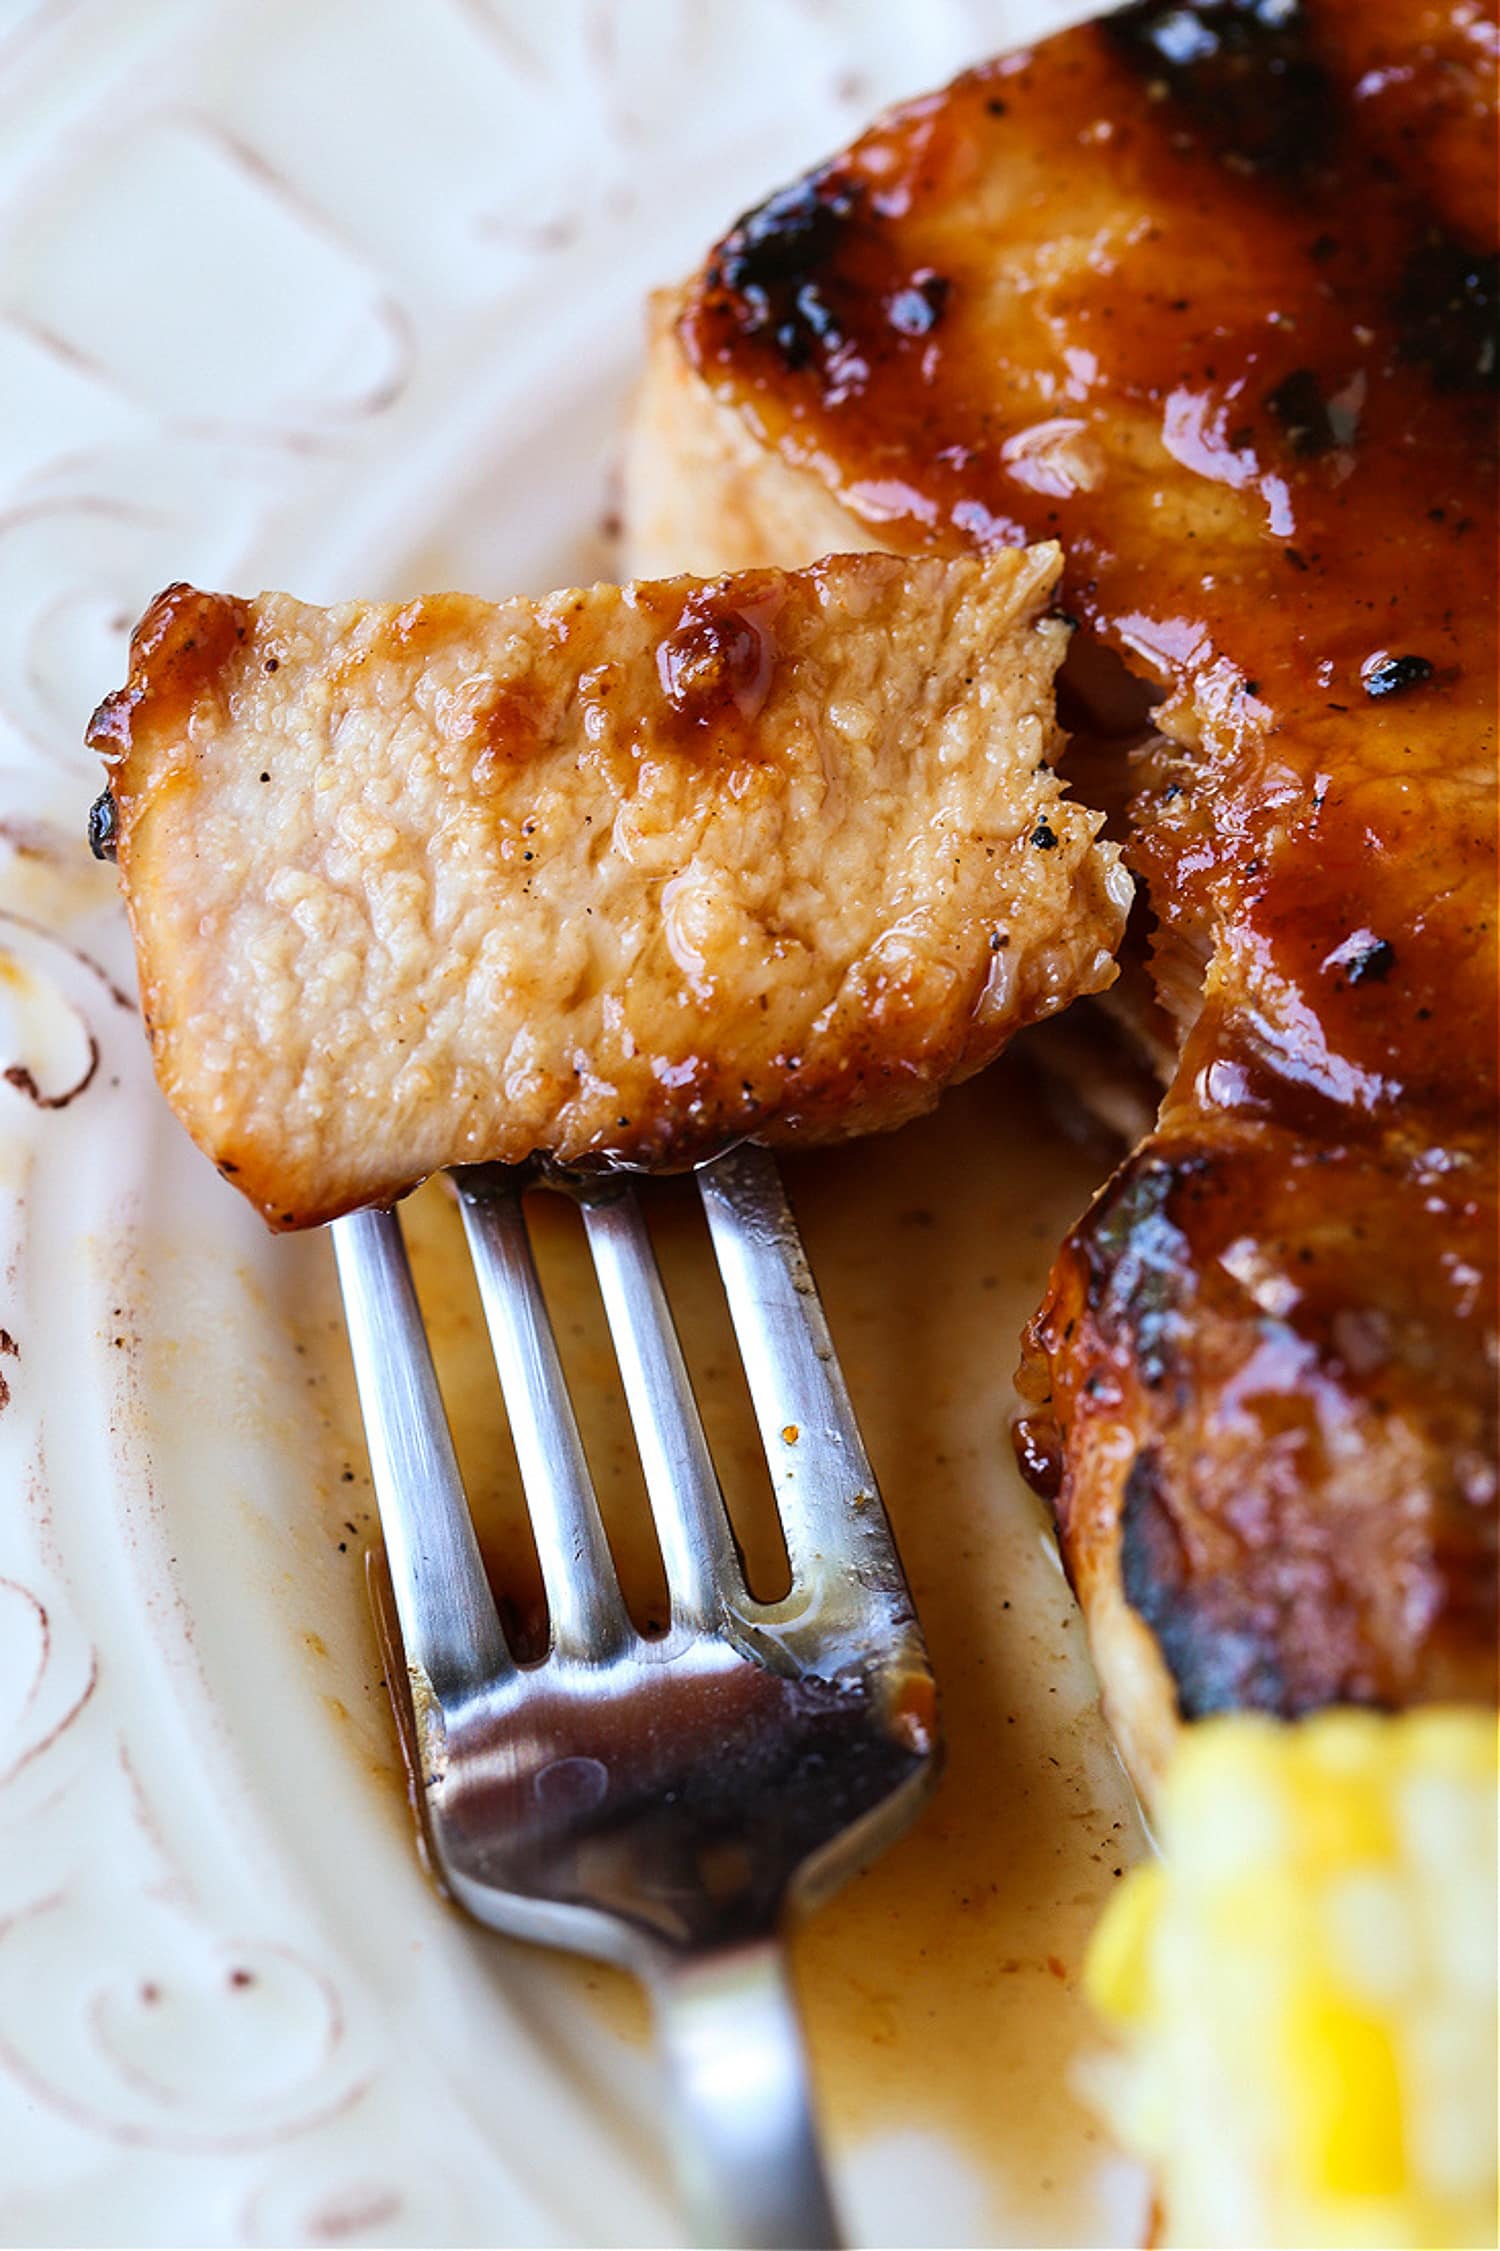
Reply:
x=742, y=2120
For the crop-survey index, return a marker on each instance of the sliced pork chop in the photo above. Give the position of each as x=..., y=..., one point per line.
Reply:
x=1208, y=293
x=621, y=875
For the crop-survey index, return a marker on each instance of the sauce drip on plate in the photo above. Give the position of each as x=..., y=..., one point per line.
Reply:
x=940, y=1988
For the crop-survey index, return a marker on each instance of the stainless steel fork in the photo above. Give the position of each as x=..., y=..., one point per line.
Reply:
x=661, y=1803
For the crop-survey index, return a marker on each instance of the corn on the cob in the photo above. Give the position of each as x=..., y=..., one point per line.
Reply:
x=1304, y=1988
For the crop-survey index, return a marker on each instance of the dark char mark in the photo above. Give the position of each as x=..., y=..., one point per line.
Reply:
x=1243, y=69
x=1140, y=1263
x=1393, y=675
x=1298, y=405
x=1447, y=310
x=1216, y=1666
x=772, y=258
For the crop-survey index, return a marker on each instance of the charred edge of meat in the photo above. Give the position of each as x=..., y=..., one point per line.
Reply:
x=1215, y=1665
x=1139, y=1262
x=1447, y=310
x=773, y=259
x=104, y=827
x=1243, y=70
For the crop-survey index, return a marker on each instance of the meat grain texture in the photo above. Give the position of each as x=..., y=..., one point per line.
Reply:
x=619, y=876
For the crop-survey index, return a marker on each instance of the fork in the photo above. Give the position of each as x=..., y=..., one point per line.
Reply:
x=662, y=1803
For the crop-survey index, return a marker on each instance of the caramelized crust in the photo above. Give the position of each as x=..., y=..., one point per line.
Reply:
x=616, y=877
x=1207, y=293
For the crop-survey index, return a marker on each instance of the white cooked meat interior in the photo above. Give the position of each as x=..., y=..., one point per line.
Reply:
x=623, y=874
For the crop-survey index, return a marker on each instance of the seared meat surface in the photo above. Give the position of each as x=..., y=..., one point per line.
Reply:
x=1208, y=293
x=618, y=876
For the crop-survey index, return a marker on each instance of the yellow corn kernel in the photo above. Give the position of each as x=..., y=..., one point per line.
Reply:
x=1346, y=2115
x=1304, y=1989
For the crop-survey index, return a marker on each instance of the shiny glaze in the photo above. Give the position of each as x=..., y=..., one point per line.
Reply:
x=717, y=657
x=1192, y=291
x=178, y=652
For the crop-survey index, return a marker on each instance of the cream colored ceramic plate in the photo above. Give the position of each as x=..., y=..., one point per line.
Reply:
x=343, y=296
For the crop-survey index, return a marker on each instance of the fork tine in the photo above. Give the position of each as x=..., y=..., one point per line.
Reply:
x=447, y=1612
x=825, y=1488
x=584, y=1604
x=703, y=1570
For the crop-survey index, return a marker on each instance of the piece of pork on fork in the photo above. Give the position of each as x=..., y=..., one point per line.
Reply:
x=627, y=876
x=619, y=877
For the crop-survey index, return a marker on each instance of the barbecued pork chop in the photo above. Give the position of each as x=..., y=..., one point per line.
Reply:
x=1208, y=293
x=621, y=875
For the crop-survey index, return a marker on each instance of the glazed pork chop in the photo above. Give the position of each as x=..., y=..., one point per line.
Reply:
x=618, y=876
x=1207, y=292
